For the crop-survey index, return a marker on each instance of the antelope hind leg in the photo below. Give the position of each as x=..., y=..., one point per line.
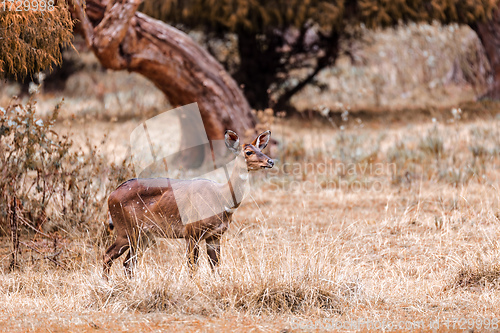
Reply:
x=193, y=250
x=113, y=252
x=213, y=251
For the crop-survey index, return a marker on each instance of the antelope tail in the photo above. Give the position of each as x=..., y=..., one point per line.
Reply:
x=110, y=222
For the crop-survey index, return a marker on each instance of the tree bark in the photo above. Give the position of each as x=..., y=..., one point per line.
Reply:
x=124, y=39
x=489, y=34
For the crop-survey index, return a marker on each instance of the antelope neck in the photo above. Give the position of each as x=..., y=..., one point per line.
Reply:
x=237, y=181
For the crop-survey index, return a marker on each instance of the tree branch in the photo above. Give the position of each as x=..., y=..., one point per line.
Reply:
x=111, y=31
x=123, y=38
x=328, y=58
x=77, y=11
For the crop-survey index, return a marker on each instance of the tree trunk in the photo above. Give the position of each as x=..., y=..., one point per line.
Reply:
x=258, y=68
x=489, y=34
x=124, y=39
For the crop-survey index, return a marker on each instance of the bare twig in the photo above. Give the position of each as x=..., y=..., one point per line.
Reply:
x=14, y=229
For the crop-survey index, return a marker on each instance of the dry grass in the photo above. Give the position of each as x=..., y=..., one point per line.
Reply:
x=96, y=93
x=406, y=67
x=417, y=248
x=415, y=239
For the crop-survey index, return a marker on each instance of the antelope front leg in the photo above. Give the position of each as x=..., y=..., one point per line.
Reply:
x=193, y=250
x=114, y=251
x=213, y=251
x=130, y=262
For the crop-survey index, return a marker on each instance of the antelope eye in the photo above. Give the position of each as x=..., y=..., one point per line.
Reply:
x=249, y=153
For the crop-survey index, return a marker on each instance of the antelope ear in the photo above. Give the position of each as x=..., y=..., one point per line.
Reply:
x=232, y=141
x=262, y=140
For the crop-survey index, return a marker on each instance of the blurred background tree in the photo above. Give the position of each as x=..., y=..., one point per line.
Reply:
x=278, y=37
x=282, y=44
x=488, y=32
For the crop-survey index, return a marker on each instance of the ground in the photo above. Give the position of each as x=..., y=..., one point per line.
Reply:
x=406, y=235
x=373, y=218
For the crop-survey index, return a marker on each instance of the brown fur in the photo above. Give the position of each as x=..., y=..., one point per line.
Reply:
x=148, y=206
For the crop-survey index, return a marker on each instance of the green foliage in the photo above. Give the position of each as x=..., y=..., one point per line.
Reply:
x=258, y=16
x=247, y=15
x=375, y=13
x=32, y=40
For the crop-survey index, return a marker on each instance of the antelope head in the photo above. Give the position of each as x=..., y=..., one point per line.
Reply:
x=254, y=157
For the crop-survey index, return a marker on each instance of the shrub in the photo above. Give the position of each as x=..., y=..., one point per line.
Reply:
x=46, y=183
